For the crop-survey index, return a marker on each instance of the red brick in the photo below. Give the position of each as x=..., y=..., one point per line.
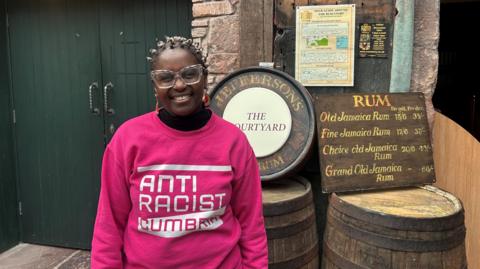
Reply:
x=210, y=9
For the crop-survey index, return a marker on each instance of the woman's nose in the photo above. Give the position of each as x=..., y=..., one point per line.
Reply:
x=179, y=83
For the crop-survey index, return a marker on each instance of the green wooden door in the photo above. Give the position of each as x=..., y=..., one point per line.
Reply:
x=59, y=51
x=128, y=29
x=8, y=196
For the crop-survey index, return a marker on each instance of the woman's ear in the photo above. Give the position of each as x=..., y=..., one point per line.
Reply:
x=156, y=101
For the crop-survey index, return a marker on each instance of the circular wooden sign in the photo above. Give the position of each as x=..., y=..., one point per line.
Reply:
x=274, y=111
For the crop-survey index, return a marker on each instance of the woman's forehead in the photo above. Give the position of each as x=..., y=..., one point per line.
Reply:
x=174, y=59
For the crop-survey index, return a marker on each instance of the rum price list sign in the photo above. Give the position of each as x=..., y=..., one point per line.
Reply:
x=373, y=141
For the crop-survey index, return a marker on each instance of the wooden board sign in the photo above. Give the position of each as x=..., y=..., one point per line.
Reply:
x=373, y=141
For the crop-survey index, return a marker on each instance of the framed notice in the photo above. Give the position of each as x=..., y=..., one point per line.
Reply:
x=324, y=52
x=373, y=40
x=373, y=141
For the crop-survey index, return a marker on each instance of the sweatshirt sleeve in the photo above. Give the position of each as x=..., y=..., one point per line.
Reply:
x=113, y=208
x=247, y=206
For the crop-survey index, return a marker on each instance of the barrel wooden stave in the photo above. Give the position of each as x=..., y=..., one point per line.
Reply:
x=354, y=243
x=392, y=234
x=294, y=251
x=290, y=224
x=364, y=255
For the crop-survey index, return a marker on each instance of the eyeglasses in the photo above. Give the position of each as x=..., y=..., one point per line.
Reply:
x=165, y=79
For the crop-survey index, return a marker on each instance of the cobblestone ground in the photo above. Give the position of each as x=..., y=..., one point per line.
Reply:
x=27, y=256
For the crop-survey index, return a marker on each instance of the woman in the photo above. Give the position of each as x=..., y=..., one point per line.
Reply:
x=180, y=186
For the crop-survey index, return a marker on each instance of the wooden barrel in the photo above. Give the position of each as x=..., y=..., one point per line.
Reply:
x=419, y=227
x=274, y=111
x=290, y=223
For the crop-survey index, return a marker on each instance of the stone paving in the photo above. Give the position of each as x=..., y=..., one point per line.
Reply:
x=28, y=256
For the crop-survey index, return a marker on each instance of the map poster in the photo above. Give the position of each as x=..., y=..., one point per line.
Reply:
x=324, y=53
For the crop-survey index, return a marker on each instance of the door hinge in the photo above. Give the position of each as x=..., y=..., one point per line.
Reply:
x=20, y=212
x=14, y=115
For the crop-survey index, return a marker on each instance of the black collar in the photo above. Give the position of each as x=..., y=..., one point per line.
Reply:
x=185, y=123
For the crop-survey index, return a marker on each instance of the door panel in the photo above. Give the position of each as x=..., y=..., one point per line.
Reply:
x=9, y=232
x=128, y=30
x=58, y=48
x=54, y=57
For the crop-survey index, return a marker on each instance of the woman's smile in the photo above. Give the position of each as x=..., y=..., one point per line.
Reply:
x=182, y=98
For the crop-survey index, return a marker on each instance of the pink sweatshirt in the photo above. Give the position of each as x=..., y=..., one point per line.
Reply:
x=174, y=199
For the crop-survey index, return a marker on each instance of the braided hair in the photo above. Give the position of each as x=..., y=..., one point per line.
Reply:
x=172, y=42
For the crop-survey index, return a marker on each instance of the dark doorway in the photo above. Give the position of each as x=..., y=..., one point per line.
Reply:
x=457, y=94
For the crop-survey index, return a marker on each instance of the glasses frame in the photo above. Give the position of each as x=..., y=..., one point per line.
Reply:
x=177, y=75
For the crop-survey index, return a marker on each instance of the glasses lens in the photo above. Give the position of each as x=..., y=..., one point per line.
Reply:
x=166, y=78
x=191, y=74
x=163, y=78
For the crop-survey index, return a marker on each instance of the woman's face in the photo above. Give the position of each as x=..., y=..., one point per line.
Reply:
x=179, y=99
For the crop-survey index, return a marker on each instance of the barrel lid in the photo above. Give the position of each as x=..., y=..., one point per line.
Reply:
x=286, y=195
x=284, y=190
x=274, y=111
x=417, y=202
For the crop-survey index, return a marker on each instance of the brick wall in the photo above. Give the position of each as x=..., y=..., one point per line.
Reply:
x=216, y=26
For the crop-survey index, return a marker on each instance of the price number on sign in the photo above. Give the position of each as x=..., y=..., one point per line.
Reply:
x=419, y=131
x=424, y=148
x=402, y=131
x=426, y=168
x=417, y=116
x=407, y=149
x=400, y=116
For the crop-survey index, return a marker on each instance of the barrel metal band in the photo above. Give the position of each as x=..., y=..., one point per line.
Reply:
x=450, y=242
x=397, y=222
x=298, y=261
x=338, y=260
x=282, y=232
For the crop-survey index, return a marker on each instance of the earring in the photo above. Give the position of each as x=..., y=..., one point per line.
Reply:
x=206, y=99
